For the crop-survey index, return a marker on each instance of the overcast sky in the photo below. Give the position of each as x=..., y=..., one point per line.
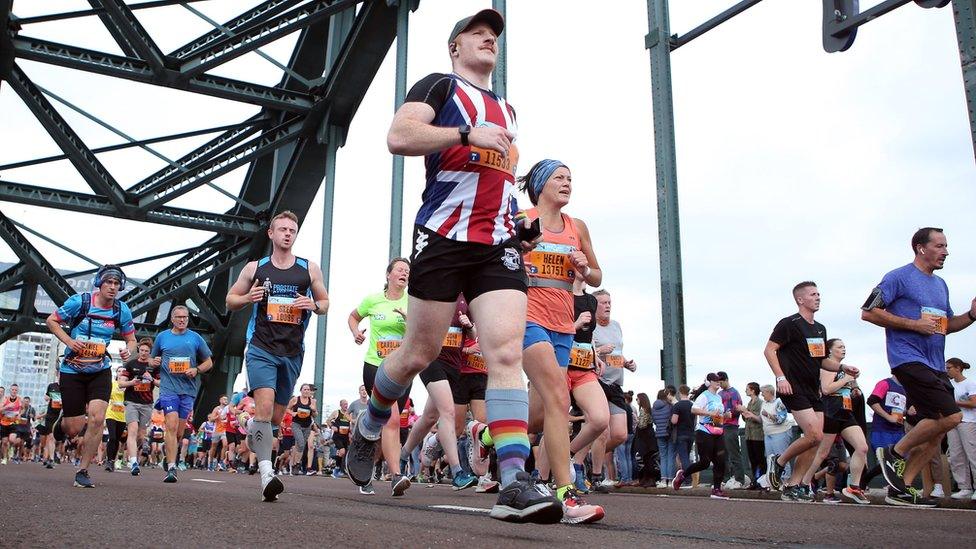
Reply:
x=792, y=164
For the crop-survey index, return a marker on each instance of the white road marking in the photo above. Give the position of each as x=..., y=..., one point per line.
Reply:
x=206, y=480
x=461, y=508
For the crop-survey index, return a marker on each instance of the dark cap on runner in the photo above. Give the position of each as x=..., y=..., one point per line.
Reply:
x=713, y=377
x=722, y=376
x=490, y=16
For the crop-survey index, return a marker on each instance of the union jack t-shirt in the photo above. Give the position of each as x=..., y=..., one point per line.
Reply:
x=469, y=196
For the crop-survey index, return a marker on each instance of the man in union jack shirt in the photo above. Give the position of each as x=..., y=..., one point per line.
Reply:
x=464, y=241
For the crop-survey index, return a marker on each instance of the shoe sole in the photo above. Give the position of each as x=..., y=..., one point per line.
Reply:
x=589, y=519
x=720, y=497
x=168, y=481
x=466, y=486
x=855, y=499
x=549, y=512
x=898, y=485
x=401, y=487
x=898, y=503
x=771, y=465
x=272, y=490
x=79, y=485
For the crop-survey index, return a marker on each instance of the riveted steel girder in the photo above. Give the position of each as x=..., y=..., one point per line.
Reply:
x=89, y=203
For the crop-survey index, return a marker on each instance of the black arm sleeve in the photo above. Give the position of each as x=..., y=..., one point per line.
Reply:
x=874, y=399
x=434, y=89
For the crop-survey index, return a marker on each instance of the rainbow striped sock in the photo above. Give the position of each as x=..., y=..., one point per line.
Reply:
x=508, y=415
x=384, y=395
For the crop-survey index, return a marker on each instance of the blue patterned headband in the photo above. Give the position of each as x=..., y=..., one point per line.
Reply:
x=543, y=171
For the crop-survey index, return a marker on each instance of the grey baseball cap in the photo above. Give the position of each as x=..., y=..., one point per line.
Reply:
x=490, y=16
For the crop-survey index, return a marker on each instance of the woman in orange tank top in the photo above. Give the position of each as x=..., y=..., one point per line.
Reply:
x=563, y=255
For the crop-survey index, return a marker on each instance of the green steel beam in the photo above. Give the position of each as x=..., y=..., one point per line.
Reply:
x=669, y=234
x=399, y=94
x=499, y=78
x=340, y=28
x=965, y=15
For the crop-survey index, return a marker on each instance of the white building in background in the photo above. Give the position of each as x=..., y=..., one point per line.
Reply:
x=30, y=361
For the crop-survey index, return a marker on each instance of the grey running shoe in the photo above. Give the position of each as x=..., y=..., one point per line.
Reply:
x=789, y=493
x=526, y=501
x=359, y=456
x=367, y=490
x=170, y=476
x=82, y=480
x=400, y=483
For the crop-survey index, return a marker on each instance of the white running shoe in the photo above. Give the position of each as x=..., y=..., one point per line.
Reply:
x=937, y=492
x=963, y=494
x=486, y=485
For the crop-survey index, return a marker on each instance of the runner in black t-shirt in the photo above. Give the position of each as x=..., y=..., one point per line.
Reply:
x=684, y=423
x=796, y=351
x=139, y=377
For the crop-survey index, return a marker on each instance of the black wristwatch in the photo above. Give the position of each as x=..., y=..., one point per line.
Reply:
x=316, y=308
x=464, y=130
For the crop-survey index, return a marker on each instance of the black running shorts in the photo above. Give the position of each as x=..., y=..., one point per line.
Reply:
x=369, y=377
x=77, y=390
x=797, y=402
x=442, y=268
x=439, y=371
x=469, y=387
x=928, y=390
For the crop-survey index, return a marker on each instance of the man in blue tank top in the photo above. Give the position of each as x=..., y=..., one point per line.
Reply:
x=283, y=291
x=912, y=304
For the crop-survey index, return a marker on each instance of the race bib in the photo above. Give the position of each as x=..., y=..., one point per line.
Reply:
x=55, y=401
x=179, y=364
x=477, y=362
x=282, y=310
x=895, y=400
x=615, y=360
x=146, y=386
x=303, y=413
x=117, y=408
x=942, y=321
x=550, y=261
x=488, y=158
x=453, y=338
x=848, y=405
x=386, y=346
x=94, y=350
x=581, y=356
x=817, y=347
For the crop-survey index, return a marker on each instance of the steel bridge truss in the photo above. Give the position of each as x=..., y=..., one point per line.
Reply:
x=285, y=147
